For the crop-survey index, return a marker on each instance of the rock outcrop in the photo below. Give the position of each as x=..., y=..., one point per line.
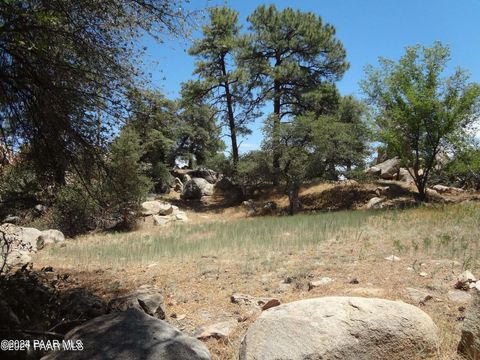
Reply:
x=196, y=188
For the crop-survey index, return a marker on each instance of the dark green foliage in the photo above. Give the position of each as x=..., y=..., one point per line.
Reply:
x=127, y=184
x=290, y=55
x=417, y=111
x=155, y=119
x=254, y=168
x=463, y=170
x=64, y=68
x=198, y=134
x=221, y=82
x=19, y=188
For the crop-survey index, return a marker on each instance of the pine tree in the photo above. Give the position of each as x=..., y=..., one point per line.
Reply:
x=221, y=82
x=290, y=53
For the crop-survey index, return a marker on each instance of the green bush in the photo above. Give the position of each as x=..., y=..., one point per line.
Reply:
x=75, y=210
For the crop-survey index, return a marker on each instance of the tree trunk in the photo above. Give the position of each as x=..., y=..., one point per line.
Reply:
x=276, y=134
x=293, y=200
x=231, y=119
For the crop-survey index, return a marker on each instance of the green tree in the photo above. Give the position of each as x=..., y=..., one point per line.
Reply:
x=156, y=121
x=199, y=135
x=339, y=140
x=127, y=183
x=64, y=68
x=417, y=111
x=221, y=82
x=290, y=54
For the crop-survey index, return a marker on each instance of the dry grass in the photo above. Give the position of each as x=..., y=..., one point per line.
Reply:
x=199, y=266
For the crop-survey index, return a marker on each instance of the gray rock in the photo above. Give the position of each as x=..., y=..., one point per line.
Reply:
x=155, y=207
x=50, y=236
x=470, y=341
x=181, y=216
x=39, y=208
x=404, y=175
x=131, y=335
x=319, y=283
x=206, y=174
x=12, y=219
x=459, y=296
x=346, y=328
x=392, y=258
x=178, y=187
x=221, y=330
x=418, y=296
x=147, y=298
x=196, y=188
x=160, y=220
x=22, y=241
x=263, y=303
x=374, y=203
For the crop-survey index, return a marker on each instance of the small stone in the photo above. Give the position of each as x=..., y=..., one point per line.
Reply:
x=318, y=283
x=181, y=216
x=464, y=280
x=459, y=296
x=354, y=281
x=418, y=296
x=423, y=274
x=159, y=220
x=221, y=330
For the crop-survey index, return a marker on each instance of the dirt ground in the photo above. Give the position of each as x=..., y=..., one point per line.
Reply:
x=197, y=289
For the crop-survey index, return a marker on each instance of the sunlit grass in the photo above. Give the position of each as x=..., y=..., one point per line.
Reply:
x=443, y=231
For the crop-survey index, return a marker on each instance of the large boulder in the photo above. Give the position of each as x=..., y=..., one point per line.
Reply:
x=17, y=243
x=130, y=335
x=470, y=340
x=203, y=173
x=387, y=170
x=344, y=328
x=147, y=298
x=50, y=236
x=196, y=188
x=155, y=207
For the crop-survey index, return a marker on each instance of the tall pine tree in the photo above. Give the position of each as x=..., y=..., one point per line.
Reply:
x=221, y=82
x=290, y=54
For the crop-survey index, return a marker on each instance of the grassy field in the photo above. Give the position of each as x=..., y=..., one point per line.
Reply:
x=450, y=231
x=198, y=266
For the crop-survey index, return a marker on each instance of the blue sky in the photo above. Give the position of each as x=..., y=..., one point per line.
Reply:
x=367, y=28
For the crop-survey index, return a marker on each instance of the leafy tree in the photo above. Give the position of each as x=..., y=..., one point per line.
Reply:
x=338, y=140
x=290, y=54
x=417, y=111
x=199, y=135
x=64, y=68
x=221, y=82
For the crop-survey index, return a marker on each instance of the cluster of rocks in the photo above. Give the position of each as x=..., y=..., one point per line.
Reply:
x=194, y=184
x=252, y=208
x=162, y=212
x=18, y=243
x=391, y=170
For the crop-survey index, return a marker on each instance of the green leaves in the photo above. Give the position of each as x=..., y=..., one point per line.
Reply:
x=419, y=112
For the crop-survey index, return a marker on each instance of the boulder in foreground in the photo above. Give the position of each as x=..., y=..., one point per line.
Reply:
x=470, y=341
x=131, y=335
x=348, y=328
